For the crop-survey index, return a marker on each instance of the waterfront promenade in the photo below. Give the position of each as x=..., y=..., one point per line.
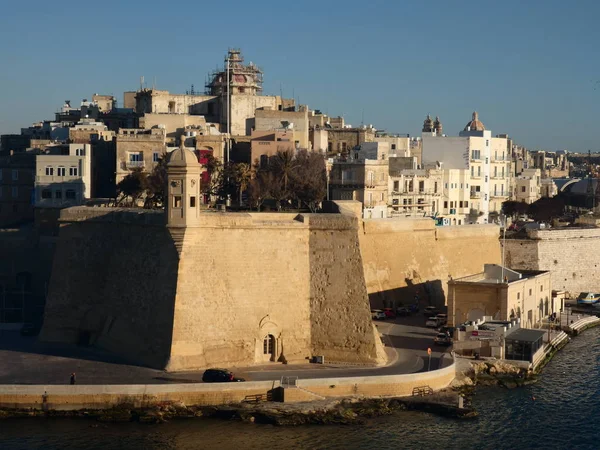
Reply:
x=28, y=362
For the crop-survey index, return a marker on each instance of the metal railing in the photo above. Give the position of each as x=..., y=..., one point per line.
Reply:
x=134, y=164
x=289, y=382
x=475, y=194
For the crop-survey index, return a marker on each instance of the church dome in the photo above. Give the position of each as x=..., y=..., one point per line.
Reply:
x=182, y=157
x=475, y=124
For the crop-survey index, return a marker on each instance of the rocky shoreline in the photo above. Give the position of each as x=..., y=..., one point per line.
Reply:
x=346, y=411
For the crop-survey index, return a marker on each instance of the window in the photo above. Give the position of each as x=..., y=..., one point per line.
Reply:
x=58, y=194
x=523, y=189
x=356, y=155
x=192, y=202
x=15, y=191
x=518, y=295
x=241, y=90
x=479, y=171
x=495, y=171
x=466, y=204
x=155, y=157
x=393, y=146
x=61, y=171
x=80, y=152
x=476, y=154
x=70, y=194
x=487, y=161
x=177, y=201
x=472, y=171
x=396, y=186
x=15, y=174
x=73, y=171
x=542, y=288
x=487, y=142
x=46, y=193
x=460, y=204
x=381, y=196
x=445, y=205
x=136, y=157
x=486, y=178
x=446, y=185
x=49, y=171
x=421, y=186
x=529, y=291
x=435, y=187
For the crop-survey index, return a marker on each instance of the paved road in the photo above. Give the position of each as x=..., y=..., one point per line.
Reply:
x=23, y=360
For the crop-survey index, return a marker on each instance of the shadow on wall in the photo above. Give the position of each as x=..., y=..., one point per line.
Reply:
x=113, y=284
x=428, y=293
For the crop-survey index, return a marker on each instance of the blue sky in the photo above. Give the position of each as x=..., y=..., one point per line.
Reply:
x=531, y=69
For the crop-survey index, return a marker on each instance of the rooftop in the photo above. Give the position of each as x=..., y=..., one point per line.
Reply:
x=495, y=274
x=525, y=335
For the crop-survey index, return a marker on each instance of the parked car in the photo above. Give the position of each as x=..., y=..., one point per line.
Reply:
x=30, y=329
x=442, y=318
x=442, y=339
x=431, y=311
x=414, y=308
x=432, y=322
x=403, y=311
x=219, y=376
x=389, y=313
x=377, y=314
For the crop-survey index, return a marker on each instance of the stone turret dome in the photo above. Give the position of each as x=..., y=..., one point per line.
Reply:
x=182, y=157
x=437, y=125
x=475, y=124
x=428, y=124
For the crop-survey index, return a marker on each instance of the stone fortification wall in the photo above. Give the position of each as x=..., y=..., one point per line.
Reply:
x=113, y=279
x=209, y=295
x=405, y=256
x=572, y=256
x=244, y=277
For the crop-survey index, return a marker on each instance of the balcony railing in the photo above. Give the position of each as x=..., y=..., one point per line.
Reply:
x=416, y=192
x=475, y=194
x=134, y=164
x=499, y=194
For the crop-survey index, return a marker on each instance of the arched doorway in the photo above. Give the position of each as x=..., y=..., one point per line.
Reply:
x=269, y=347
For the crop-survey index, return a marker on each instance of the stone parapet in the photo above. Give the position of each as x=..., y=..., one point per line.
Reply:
x=71, y=398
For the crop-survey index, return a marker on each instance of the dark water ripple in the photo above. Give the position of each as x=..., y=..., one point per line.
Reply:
x=562, y=416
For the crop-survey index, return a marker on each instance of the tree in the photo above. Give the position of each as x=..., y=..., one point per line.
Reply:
x=243, y=175
x=214, y=168
x=156, y=184
x=545, y=209
x=131, y=187
x=284, y=165
x=512, y=208
x=309, y=179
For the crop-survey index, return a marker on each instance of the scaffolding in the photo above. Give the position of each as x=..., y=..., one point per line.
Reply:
x=244, y=76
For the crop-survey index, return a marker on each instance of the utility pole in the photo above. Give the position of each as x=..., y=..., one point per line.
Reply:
x=228, y=107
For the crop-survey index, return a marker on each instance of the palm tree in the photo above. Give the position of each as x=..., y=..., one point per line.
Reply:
x=284, y=165
x=243, y=175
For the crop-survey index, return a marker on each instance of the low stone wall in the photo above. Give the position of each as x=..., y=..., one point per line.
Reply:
x=65, y=398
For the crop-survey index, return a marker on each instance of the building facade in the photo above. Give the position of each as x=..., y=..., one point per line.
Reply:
x=63, y=176
x=139, y=149
x=503, y=294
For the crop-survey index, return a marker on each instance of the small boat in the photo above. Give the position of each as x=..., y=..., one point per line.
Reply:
x=588, y=298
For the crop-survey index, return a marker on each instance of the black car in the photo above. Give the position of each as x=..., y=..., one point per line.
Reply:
x=219, y=376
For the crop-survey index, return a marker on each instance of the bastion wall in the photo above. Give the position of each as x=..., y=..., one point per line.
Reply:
x=571, y=255
x=214, y=294
x=404, y=257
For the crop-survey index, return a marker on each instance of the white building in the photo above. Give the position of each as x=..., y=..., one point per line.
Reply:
x=486, y=158
x=63, y=176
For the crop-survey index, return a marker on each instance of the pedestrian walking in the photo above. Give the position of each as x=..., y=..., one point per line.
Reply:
x=73, y=378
